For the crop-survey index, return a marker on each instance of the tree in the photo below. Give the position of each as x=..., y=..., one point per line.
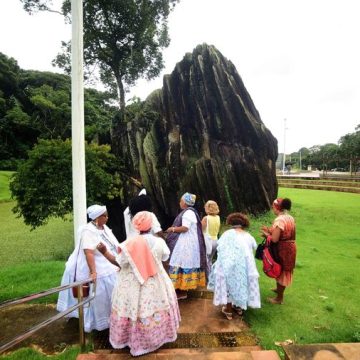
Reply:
x=350, y=148
x=36, y=104
x=51, y=112
x=122, y=38
x=42, y=185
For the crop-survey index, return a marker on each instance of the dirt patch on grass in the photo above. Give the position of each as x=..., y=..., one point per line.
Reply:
x=53, y=338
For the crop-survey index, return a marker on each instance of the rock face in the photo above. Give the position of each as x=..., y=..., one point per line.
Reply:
x=202, y=133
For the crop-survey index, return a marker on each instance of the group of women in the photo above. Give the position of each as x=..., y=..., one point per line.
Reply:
x=137, y=299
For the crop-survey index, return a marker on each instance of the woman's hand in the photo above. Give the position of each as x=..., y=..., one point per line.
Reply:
x=264, y=234
x=264, y=231
x=177, y=229
x=93, y=276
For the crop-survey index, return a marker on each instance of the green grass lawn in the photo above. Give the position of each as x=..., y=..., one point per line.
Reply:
x=4, y=185
x=321, y=306
x=31, y=261
x=31, y=354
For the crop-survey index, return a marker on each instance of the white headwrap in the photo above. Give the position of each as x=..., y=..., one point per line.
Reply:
x=94, y=211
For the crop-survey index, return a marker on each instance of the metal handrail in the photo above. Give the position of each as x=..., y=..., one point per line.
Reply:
x=80, y=306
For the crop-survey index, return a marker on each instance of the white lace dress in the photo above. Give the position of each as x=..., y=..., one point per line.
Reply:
x=144, y=317
x=234, y=277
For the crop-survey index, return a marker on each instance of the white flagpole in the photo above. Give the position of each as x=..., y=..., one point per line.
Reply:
x=77, y=117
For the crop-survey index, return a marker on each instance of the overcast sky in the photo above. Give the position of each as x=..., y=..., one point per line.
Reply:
x=299, y=59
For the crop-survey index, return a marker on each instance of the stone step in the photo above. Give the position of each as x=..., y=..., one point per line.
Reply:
x=320, y=182
x=320, y=187
x=337, y=351
x=238, y=353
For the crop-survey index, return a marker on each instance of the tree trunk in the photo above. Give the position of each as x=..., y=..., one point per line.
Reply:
x=121, y=92
x=119, y=119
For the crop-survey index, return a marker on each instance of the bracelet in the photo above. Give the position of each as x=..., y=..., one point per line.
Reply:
x=92, y=272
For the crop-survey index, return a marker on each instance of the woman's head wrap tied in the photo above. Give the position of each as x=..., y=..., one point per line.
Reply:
x=189, y=199
x=94, y=211
x=142, y=221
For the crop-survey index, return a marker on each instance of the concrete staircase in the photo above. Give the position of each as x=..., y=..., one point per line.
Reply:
x=341, y=351
x=204, y=333
x=196, y=354
x=351, y=185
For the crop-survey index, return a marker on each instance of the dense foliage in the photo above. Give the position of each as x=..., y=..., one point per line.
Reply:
x=37, y=105
x=344, y=156
x=123, y=39
x=42, y=186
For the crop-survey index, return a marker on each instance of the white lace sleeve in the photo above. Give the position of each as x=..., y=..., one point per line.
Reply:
x=166, y=251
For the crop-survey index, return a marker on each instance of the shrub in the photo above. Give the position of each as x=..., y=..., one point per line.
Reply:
x=42, y=185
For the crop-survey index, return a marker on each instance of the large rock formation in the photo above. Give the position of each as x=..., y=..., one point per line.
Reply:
x=202, y=133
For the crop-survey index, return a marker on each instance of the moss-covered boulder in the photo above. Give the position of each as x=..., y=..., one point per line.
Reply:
x=204, y=136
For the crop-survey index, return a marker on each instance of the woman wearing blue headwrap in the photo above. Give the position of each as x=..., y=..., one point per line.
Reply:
x=187, y=267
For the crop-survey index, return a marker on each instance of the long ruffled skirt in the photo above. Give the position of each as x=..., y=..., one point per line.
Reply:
x=187, y=279
x=145, y=334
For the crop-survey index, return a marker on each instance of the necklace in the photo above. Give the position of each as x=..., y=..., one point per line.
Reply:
x=104, y=236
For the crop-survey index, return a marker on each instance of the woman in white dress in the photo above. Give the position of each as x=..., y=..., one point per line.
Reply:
x=145, y=313
x=188, y=262
x=85, y=262
x=234, y=277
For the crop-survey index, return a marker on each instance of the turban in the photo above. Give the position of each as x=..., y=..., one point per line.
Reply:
x=189, y=199
x=94, y=211
x=142, y=221
x=278, y=203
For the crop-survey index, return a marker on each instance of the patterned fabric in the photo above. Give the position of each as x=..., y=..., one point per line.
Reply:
x=188, y=249
x=189, y=199
x=285, y=248
x=187, y=279
x=144, y=317
x=144, y=334
x=234, y=277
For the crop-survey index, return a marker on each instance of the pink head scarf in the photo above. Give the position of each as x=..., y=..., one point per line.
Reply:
x=142, y=221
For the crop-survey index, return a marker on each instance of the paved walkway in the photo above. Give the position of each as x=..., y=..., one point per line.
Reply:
x=204, y=333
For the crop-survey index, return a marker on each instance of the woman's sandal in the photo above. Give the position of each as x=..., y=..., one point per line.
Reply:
x=238, y=310
x=228, y=315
